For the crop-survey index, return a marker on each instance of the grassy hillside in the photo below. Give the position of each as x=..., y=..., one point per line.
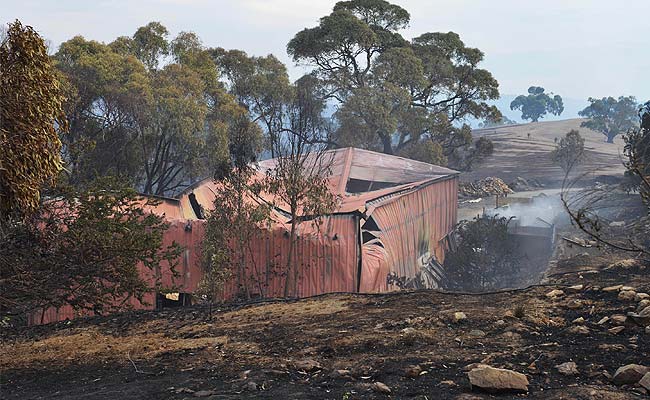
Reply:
x=518, y=154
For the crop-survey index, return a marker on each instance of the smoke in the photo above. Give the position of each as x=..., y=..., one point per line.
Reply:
x=547, y=208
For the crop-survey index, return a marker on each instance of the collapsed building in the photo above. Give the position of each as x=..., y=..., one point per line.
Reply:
x=390, y=230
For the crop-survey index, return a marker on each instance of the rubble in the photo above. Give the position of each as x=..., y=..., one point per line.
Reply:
x=568, y=368
x=626, y=295
x=459, y=316
x=616, y=330
x=554, y=293
x=645, y=381
x=381, y=387
x=521, y=184
x=642, y=318
x=307, y=365
x=489, y=186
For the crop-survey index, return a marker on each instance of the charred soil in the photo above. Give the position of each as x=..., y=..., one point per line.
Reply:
x=340, y=346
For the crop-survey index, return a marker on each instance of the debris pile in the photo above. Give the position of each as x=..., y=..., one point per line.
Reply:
x=520, y=184
x=484, y=187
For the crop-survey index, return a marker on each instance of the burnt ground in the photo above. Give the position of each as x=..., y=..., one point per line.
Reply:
x=293, y=349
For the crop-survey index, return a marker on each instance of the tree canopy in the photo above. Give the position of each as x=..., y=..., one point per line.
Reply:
x=31, y=113
x=393, y=94
x=159, y=124
x=569, y=151
x=537, y=104
x=611, y=116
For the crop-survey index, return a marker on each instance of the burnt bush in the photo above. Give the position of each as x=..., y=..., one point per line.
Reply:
x=484, y=258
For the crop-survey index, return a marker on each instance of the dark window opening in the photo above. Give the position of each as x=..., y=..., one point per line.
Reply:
x=198, y=210
x=367, y=236
x=173, y=300
x=362, y=186
x=370, y=225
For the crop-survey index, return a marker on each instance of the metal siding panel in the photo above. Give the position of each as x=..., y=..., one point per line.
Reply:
x=423, y=216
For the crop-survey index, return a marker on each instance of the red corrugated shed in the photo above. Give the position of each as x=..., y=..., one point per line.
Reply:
x=389, y=230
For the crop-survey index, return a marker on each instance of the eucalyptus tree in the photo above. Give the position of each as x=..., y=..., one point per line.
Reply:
x=392, y=93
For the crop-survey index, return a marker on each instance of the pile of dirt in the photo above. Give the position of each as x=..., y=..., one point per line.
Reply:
x=489, y=186
x=568, y=339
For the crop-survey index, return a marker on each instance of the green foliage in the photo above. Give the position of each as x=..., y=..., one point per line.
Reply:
x=569, y=151
x=611, y=116
x=485, y=257
x=394, y=94
x=161, y=126
x=429, y=151
x=31, y=111
x=537, y=104
x=236, y=218
x=82, y=249
x=261, y=84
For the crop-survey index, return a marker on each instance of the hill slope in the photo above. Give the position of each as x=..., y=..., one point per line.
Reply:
x=518, y=155
x=339, y=346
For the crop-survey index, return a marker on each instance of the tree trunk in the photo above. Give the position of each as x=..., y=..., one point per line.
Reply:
x=388, y=145
x=610, y=137
x=290, y=279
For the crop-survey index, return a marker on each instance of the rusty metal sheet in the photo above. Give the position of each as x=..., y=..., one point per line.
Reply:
x=411, y=231
x=412, y=220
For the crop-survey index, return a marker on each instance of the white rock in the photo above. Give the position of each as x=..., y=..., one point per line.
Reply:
x=497, y=380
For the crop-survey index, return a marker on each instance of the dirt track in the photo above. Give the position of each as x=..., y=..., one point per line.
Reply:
x=176, y=354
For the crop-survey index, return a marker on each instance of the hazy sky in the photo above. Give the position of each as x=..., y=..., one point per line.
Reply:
x=576, y=48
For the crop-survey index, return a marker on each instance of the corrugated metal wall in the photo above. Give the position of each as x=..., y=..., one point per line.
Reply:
x=411, y=229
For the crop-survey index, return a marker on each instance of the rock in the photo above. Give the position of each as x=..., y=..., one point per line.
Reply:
x=459, y=317
x=575, y=288
x=568, y=368
x=341, y=373
x=448, y=383
x=554, y=293
x=508, y=314
x=643, y=304
x=307, y=365
x=496, y=380
x=624, y=264
x=204, y=393
x=381, y=387
x=641, y=296
x=611, y=347
x=627, y=295
x=477, y=333
x=628, y=289
x=647, y=330
x=615, y=288
x=579, y=329
x=629, y=374
x=618, y=319
x=251, y=386
x=413, y=371
x=616, y=330
x=603, y=320
x=408, y=331
x=579, y=321
x=645, y=381
x=573, y=304
x=500, y=322
x=642, y=318
x=472, y=366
